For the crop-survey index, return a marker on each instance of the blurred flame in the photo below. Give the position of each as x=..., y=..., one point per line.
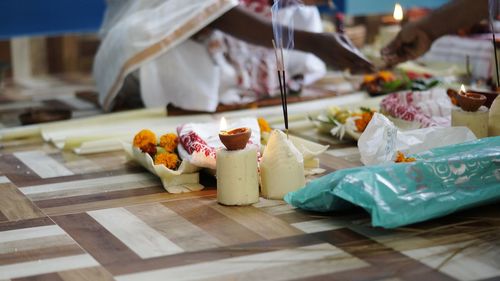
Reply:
x=398, y=12
x=462, y=89
x=223, y=124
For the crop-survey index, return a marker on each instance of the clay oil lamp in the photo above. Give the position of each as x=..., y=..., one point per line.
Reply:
x=470, y=101
x=234, y=139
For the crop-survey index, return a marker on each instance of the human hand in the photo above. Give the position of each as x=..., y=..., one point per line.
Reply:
x=337, y=50
x=410, y=43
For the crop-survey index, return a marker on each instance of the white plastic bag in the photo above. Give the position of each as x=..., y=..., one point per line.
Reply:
x=381, y=140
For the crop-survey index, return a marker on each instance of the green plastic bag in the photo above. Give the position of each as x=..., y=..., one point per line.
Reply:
x=441, y=181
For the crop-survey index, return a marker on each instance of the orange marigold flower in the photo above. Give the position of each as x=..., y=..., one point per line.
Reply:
x=386, y=76
x=363, y=121
x=263, y=125
x=144, y=140
x=369, y=78
x=149, y=149
x=169, y=142
x=170, y=160
x=401, y=158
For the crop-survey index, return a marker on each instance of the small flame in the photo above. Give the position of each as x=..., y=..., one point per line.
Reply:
x=462, y=89
x=223, y=124
x=398, y=12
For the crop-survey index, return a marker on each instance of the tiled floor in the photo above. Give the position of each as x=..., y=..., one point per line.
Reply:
x=101, y=217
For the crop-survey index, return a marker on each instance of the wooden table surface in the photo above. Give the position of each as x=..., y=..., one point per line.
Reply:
x=101, y=217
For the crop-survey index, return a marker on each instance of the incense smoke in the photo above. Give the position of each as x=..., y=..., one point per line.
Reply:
x=283, y=24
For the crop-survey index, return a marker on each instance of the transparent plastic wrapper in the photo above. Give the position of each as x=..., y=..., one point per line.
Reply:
x=381, y=140
x=441, y=181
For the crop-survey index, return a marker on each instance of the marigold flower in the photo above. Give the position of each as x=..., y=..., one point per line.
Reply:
x=169, y=142
x=170, y=160
x=401, y=158
x=145, y=140
x=150, y=149
x=263, y=125
x=386, y=76
x=369, y=78
x=363, y=121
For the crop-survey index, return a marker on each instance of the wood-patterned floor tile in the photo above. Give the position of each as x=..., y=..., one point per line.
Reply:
x=38, y=243
x=334, y=261
x=42, y=277
x=258, y=221
x=141, y=238
x=86, y=274
x=30, y=233
x=15, y=206
x=40, y=254
x=15, y=170
x=3, y=218
x=380, y=256
x=89, y=186
x=96, y=197
x=75, y=177
x=176, y=228
x=11, y=225
x=471, y=260
x=127, y=201
x=225, y=268
x=42, y=164
x=274, y=207
x=221, y=227
x=209, y=255
x=318, y=225
x=46, y=266
x=95, y=239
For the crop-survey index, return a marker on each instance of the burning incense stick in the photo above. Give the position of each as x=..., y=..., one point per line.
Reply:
x=282, y=82
x=284, y=88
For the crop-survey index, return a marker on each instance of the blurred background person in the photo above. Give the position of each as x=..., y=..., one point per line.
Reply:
x=416, y=38
x=196, y=54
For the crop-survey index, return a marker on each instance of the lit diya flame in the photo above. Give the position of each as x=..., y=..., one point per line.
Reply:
x=462, y=89
x=398, y=12
x=234, y=139
x=223, y=124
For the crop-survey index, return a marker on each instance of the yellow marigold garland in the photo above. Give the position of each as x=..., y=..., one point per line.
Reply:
x=145, y=140
x=170, y=160
x=169, y=142
x=263, y=125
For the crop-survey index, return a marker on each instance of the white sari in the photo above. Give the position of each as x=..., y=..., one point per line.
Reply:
x=152, y=38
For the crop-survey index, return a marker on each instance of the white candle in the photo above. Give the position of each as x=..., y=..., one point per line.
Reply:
x=476, y=121
x=281, y=167
x=237, y=176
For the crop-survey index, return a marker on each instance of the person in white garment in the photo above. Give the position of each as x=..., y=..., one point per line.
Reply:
x=195, y=54
x=416, y=38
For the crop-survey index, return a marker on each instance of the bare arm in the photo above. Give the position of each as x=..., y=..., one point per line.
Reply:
x=453, y=16
x=254, y=29
x=416, y=37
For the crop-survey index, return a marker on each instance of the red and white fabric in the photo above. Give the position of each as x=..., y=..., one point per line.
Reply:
x=428, y=108
x=199, y=142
